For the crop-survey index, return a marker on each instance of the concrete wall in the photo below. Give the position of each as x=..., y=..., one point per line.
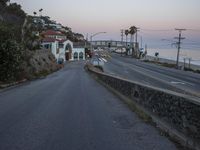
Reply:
x=178, y=111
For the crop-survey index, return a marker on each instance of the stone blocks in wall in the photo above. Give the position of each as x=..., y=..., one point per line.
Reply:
x=180, y=111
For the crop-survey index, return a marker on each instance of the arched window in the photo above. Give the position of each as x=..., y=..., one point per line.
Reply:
x=81, y=55
x=68, y=48
x=68, y=51
x=75, y=56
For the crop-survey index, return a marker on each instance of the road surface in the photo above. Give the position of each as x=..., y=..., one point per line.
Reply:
x=154, y=75
x=69, y=110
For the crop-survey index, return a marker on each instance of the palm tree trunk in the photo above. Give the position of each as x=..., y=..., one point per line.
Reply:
x=126, y=40
x=133, y=48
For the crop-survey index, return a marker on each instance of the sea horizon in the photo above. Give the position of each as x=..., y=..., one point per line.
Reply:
x=171, y=54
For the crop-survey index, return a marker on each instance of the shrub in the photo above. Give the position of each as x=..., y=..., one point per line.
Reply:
x=15, y=8
x=11, y=55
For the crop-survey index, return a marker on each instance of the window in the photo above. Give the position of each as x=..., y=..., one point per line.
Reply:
x=75, y=56
x=81, y=55
x=61, y=45
x=57, y=50
x=47, y=46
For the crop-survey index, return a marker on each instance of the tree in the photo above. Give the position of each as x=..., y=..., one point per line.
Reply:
x=132, y=31
x=41, y=11
x=126, y=33
x=4, y=2
x=30, y=31
x=11, y=55
x=34, y=13
x=15, y=9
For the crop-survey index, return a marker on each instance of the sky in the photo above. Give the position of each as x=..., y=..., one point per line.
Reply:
x=156, y=19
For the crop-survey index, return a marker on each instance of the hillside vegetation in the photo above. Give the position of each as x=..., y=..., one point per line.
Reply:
x=18, y=43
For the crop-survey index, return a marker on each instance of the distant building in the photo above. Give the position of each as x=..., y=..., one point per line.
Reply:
x=55, y=26
x=38, y=20
x=79, y=37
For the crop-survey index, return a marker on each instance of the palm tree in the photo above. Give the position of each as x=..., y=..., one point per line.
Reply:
x=126, y=33
x=132, y=31
x=34, y=13
x=41, y=11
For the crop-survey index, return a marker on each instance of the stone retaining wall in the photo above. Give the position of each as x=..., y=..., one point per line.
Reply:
x=40, y=61
x=180, y=112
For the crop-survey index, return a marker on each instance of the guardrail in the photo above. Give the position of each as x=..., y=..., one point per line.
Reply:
x=179, y=112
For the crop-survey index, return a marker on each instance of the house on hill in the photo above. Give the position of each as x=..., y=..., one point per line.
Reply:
x=54, y=35
x=61, y=47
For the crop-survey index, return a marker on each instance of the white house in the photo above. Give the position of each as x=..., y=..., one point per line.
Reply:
x=37, y=20
x=61, y=47
x=66, y=50
x=56, y=26
x=52, y=44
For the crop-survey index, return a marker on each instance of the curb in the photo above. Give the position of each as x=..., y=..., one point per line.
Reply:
x=3, y=86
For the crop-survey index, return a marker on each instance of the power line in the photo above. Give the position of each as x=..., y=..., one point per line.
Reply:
x=157, y=30
x=191, y=46
x=197, y=44
x=195, y=30
x=162, y=30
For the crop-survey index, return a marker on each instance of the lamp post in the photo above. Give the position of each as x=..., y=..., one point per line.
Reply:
x=91, y=42
x=93, y=36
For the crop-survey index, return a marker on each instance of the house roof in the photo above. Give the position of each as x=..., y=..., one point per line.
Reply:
x=52, y=32
x=49, y=40
x=61, y=41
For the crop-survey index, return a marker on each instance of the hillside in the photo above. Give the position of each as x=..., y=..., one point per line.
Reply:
x=19, y=57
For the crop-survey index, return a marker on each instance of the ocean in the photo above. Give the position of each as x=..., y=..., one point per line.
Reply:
x=193, y=54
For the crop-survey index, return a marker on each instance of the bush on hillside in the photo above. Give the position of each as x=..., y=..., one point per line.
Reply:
x=11, y=55
x=15, y=8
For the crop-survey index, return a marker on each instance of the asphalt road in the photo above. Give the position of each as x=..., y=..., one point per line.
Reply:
x=154, y=75
x=69, y=110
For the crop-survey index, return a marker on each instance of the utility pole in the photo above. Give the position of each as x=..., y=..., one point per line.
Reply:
x=136, y=43
x=122, y=35
x=87, y=37
x=137, y=29
x=179, y=44
x=86, y=40
x=122, y=39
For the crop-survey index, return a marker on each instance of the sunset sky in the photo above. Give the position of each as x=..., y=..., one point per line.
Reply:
x=91, y=16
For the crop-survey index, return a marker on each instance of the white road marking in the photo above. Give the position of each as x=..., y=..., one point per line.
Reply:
x=175, y=82
x=104, y=59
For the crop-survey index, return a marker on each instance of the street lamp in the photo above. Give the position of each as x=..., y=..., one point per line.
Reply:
x=93, y=36
x=91, y=42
